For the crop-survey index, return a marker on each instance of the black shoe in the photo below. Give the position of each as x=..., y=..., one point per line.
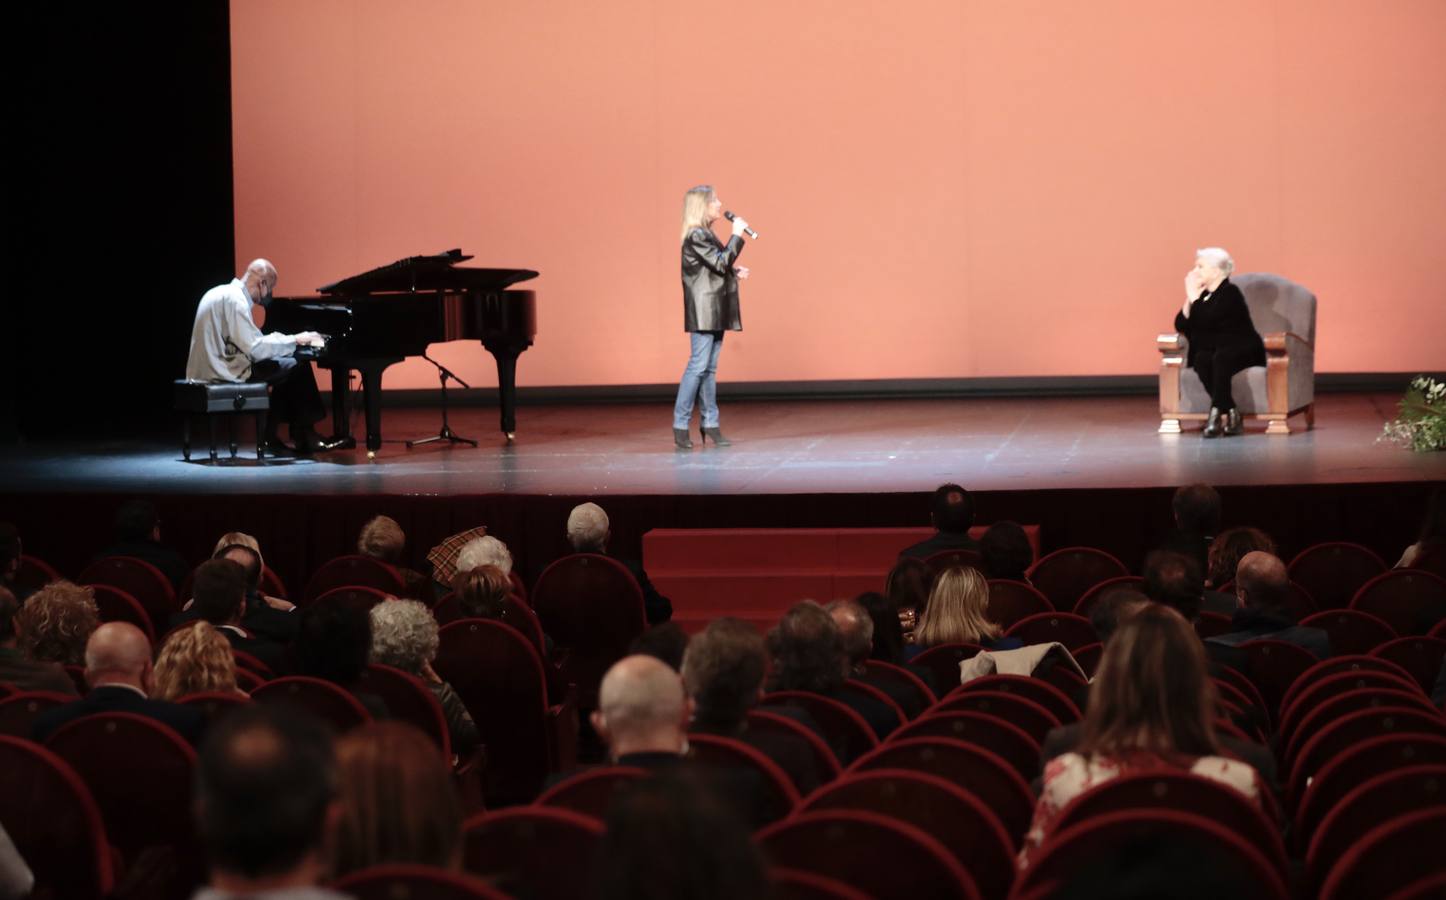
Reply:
x=309, y=444
x=717, y=435
x=1212, y=424
x=274, y=447
x=1234, y=423
x=681, y=440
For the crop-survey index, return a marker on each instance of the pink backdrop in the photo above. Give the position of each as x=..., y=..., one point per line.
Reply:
x=945, y=189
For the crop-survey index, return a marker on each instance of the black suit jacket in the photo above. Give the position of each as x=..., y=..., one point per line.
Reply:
x=272, y=654
x=170, y=562
x=657, y=607
x=1253, y=625
x=1217, y=320
x=185, y=721
x=941, y=541
x=1064, y=739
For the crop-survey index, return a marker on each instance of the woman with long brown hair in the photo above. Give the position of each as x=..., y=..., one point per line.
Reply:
x=1152, y=706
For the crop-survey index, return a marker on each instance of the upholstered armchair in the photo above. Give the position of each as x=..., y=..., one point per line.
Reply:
x=1284, y=314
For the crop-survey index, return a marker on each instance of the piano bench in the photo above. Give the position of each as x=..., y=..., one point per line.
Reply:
x=213, y=399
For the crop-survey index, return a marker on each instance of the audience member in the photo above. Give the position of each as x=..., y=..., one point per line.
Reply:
x=1007, y=552
x=255, y=569
x=723, y=675
x=588, y=531
x=1175, y=580
x=118, y=670
x=957, y=614
x=1152, y=705
x=807, y=655
x=219, y=591
x=1226, y=551
x=268, y=618
x=383, y=539
x=481, y=592
x=856, y=634
x=16, y=668
x=404, y=636
x=55, y=623
x=195, y=658
x=666, y=641
x=484, y=551
x=11, y=549
x=138, y=534
x=907, y=587
x=398, y=804
x=1432, y=537
x=266, y=802
x=668, y=837
x=1113, y=608
x=951, y=514
x=888, y=631
x=1196, y=509
x=335, y=643
x=1263, y=589
x=642, y=713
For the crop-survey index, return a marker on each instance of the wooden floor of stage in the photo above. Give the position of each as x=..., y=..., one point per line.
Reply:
x=780, y=447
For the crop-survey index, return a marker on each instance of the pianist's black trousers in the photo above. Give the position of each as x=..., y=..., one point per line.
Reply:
x=295, y=399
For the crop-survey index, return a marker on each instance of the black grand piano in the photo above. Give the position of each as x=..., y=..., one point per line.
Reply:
x=381, y=317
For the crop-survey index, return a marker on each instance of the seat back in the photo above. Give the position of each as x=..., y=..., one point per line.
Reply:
x=1065, y=575
x=1004, y=739
x=410, y=701
x=1070, y=853
x=1355, y=766
x=1066, y=628
x=858, y=689
x=1389, y=857
x=978, y=771
x=1278, y=304
x=847, y=733
x=775, y=797
x=539, y=852
x=1088, y=657
x=1041, y=692
x=353, y=570
x=400, y=880
x=825, y=763
x=1351, y=631
x=886, y=858
x=591, y=792
x=139, y=772
x=1010, y=601
x=1032, y=718
x=1410, y=600
x=1332, y=572
x=499, y=676
x=1351, y=729
x=65, y=846
x=1372, y=804
x=314, y=697
x=957, y=819
x=592, y=607
x=19, y=711
x=353, y=596
x=942, y=661
x=1274, y=667
x=1317, y=693
x=34, y=574
x=1094, y=595
x=214, y=704
x=143, y=581
x=904, y=683
x=949, y=559
x=796, y=884
x=1335, y=666
x=1180, y=790
x=115, y=605
x=1419, y=656
x=515, y=612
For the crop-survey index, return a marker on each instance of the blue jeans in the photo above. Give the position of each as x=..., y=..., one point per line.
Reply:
x=700, y=379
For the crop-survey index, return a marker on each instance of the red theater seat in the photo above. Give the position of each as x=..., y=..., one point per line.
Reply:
x=34, y=574
x=1336, y=665
x=357, y=597
x=1332, y=572
x=1065, y=575
x=825, y=763
x=847, y=733
x=315, y=697
x=1004, y=739
x=1349, y=731
x=592, y=608
x=591, y=792
x=1041, y=692
x=1355, y=766
x=401, y=881
x=353, y=571
x=19, y=711
x=533, y=851
x=1390, y=857
x=942, y=661
x=1010, y=601
x=1411, y=601
x=1030, y=717
x=796, y=884
x=143, y=581
x=214, y=704
x=1094, y=595
x=115, y=605
x=1274, y=666
x=777, y=796
x=1351, y=630
x=54, y=822
x=1372, y=804
x=1305, y=701
x=1420, y=656
x=410, y=701
x=1065, y=628
x=859, y=689
x=904, y=682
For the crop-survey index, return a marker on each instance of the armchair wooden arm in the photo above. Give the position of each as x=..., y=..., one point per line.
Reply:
x=1172, y=360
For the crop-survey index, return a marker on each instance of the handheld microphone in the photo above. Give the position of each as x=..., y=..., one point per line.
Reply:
x=748, y=231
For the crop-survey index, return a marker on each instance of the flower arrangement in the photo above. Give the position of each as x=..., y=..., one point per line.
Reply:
x=1421, y=419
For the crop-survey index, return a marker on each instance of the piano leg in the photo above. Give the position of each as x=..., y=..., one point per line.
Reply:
x=371, y=373
x=340, y=420
x=507, y=388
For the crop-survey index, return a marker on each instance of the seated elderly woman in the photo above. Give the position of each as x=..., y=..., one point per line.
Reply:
x=1216, y=322
x=404, y=636
x=383, y=539
x=195, y=658
x=1151, y=707
x=955, y=614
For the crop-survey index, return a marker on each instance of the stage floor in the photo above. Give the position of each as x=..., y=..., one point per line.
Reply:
x=823, y=446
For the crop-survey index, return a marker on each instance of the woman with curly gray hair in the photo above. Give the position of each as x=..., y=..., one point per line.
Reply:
x=404, y=636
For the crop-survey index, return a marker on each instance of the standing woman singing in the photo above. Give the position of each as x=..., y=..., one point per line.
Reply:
x=710, y=307
x=1223, y=340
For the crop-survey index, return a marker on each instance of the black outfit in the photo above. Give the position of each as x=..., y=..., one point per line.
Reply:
x=710, y=286
x=1222, y=339
x=271, y=654
x=737, y=788
x=1254, y=625
x=260, y=620
x=791, y=752
x=170, y=562
x=880, y=717
x=1191, y=544
x=658, y=608
x=1220, y=603
x=941, y=541
x=185, y=721
x=295, y=398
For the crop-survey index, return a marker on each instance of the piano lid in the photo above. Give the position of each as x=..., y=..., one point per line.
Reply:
x=428, y=273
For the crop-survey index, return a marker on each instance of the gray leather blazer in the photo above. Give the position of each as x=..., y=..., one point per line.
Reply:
x=710, y=289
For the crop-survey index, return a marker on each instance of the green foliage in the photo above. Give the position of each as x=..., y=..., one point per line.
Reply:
x=1420, y=422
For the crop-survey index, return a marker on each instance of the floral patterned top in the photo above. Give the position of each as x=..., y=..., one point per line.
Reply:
x=1069, y=775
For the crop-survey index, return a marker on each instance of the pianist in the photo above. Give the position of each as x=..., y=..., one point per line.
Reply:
x=226, y=345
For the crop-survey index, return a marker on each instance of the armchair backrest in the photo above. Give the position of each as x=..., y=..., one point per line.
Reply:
x=1278, y=304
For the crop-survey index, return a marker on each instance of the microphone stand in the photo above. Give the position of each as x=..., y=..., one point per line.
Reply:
x=446, y=433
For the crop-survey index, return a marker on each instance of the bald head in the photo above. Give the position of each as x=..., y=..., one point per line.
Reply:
x=260, y=280
x=1261, y=582
x=118, y=653
x=855, y=629
x=641, y=706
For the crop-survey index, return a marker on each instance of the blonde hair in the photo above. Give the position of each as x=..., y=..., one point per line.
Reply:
x=240, y=538
x=194, y=659
x=382, y=538
x=56, y=622
x=956, y=610
x=695, y=208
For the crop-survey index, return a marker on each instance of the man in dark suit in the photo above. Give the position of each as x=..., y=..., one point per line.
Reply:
x=118, y=669
x=219, y=591
x=138, y=534
x=856, y=631
x=951, y=515
x=259, y=619
x=588, y=531
x=1263, y=589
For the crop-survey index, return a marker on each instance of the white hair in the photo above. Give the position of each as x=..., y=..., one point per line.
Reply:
x=404, y=635
x=1219, y=257
x=484, y=551
x=587, y=527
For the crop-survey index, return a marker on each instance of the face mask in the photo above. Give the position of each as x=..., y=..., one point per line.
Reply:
x=265, y=299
